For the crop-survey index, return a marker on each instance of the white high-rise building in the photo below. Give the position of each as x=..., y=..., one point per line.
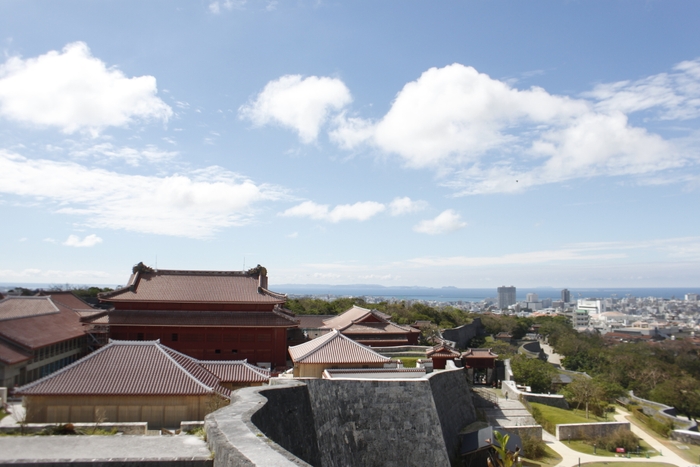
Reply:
x=506, y=297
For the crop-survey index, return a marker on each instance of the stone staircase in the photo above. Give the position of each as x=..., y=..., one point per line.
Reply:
x=499, y=411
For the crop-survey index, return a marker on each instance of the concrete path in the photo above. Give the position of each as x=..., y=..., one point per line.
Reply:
x=75, y=448
x=668, y=455
x=553, y=358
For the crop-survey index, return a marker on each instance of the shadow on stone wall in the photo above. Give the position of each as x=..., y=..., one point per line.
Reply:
x=329, y=423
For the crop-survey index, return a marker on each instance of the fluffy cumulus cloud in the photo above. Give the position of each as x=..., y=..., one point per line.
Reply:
x=189, y=206
x=74, y=91
x=302, y=104
x=483, y=135
x=406, y=205
x=446, y=222
x=360, y=211
x=88, y=241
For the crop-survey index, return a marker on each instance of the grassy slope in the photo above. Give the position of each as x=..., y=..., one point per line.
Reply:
x=559, y=416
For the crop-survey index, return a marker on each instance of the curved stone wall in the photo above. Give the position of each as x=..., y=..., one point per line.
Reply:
x=329, y=423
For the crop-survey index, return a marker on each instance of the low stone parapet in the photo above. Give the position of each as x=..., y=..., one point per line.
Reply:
x=686, y=436
x=127, y=428
x=511, y=391
x=588, y=430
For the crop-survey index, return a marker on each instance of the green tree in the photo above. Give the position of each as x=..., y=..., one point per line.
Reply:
x=584, y=391
x=532, y=372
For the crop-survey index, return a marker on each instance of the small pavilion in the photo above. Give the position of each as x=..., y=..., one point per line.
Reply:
x=480, y=365
x=440, y=354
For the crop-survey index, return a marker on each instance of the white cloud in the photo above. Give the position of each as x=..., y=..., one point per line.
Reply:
x=88, y=241
x=360, y=211
x=74, y=91
x=215, y=7
x=456, y=114
x=481, y=134
x=676, y=95
x=447, y=221
x=405, y=205
x=302, y=104
x=194, y=206
x=134, y=157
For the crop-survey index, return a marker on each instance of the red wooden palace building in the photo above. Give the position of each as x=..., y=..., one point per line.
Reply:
x=208, y=315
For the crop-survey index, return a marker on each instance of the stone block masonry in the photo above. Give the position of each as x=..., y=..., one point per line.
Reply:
x=339, y=423
x=588, y=430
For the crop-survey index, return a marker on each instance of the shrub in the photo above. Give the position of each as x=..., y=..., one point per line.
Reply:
x=541, y=420
x=621, y=438
x=533, y=447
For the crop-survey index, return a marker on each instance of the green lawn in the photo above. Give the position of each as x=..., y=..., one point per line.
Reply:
x=550, y=459
x=627, y=464
x=560, y=416
x=3, y=414
x=408, y=362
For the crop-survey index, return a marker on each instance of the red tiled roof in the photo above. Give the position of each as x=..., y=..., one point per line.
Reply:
x=353, y=315
x=313, y=321
x=334, y=348
x=70, y=300
x=237, y=371
x=201, y=318
x=377, y=328
x=479, y=353
x=130, y=368
x=10, y=355
x=194, y=287
x=442, y=350
x=25, y=307
x=37, y=329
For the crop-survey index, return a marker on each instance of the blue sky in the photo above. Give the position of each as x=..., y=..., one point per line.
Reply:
x=468, y=144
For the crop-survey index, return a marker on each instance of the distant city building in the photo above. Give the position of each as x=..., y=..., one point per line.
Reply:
x=506, y=297
x=594, y=306
x=565, y=296
x=691, y=297
x=546, y=303
x=533, y=302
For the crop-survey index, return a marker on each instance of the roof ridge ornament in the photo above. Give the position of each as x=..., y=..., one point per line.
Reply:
x=141, y=268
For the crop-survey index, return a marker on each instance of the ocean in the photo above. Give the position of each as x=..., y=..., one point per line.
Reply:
x=454, y=294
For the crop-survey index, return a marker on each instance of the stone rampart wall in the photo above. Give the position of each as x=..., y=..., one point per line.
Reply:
x=334, y=423
x=588, y=430
x=287, y=418
x=463, y=334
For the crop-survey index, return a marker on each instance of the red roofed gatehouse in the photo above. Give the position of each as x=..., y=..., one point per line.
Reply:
x=210, y=315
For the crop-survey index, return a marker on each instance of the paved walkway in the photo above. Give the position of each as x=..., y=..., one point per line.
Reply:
x=553, y=358
x=75, y=448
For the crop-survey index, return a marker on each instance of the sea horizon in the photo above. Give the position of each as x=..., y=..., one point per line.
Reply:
x=440, y=294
